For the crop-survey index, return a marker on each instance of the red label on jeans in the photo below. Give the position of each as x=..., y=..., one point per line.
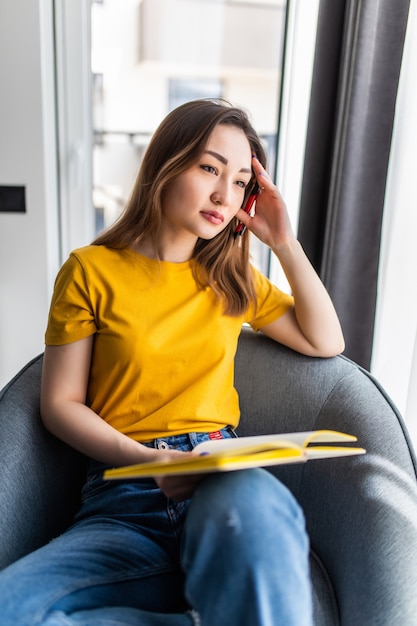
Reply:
x=216, y=435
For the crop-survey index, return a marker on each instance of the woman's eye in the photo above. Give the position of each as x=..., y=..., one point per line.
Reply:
x=209, y=168
x=242, y=184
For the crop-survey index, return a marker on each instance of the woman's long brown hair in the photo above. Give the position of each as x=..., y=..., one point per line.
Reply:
x=221, y=263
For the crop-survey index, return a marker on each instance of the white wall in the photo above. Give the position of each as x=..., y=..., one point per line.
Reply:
x=28, y=241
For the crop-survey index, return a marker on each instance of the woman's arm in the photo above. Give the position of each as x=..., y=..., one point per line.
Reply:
x=311, y=326
x=64, y=413
x=65, y=375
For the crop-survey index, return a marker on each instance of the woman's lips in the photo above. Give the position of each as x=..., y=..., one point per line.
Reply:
x=213, y=216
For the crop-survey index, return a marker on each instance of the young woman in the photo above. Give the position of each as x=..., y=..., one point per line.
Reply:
x=138, y=366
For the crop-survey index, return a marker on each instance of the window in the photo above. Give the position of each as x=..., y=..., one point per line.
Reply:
x=183, y=90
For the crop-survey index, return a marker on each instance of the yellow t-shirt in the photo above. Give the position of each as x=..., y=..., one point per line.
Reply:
x=163, y=355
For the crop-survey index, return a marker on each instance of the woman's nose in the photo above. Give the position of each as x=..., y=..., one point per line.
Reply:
x=221, y=195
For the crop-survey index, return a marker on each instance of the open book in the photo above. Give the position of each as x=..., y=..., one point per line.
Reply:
x=225, y=455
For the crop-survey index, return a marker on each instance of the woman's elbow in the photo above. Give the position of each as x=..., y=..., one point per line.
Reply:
x=332, y=348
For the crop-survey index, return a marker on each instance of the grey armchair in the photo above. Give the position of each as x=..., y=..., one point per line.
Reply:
x=361, y=511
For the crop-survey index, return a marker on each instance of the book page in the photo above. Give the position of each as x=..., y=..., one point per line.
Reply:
x=285, y=440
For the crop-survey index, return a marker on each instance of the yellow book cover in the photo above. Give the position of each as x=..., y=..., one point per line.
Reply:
x=225, y=455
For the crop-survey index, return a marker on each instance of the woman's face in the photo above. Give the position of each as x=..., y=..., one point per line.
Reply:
x=204, y=199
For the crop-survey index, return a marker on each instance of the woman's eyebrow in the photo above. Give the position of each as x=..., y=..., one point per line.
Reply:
x=223, y=159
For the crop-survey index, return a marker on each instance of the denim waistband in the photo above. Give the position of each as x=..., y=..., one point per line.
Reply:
x=188, y=441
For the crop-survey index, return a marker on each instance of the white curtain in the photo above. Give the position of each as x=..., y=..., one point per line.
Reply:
x=394, y=360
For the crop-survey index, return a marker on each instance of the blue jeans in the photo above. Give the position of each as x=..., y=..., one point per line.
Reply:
x=236, y=554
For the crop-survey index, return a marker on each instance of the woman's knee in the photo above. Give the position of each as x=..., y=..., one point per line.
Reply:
x=250, y=501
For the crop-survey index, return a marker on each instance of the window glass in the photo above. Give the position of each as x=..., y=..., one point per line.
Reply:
x=149, y=56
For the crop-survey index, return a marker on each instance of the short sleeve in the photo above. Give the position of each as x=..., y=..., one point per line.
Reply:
x=71, y=315
x=271, y=302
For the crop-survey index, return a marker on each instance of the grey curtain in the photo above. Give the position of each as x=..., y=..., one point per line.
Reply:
x=355, y=79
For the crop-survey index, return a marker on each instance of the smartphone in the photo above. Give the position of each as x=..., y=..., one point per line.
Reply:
x=240, y=228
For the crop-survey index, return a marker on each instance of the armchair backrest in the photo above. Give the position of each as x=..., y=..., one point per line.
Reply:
x=41, y=476
x=361, y=512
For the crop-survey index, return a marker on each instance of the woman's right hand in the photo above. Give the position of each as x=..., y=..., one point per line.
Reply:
x=179, y=487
